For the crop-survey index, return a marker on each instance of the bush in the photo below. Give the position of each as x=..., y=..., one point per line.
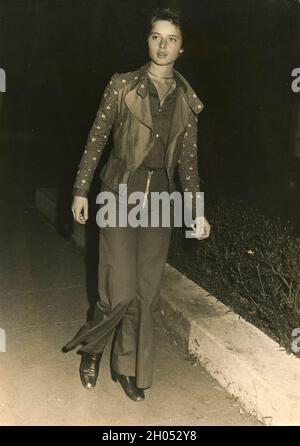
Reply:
x=250, y=262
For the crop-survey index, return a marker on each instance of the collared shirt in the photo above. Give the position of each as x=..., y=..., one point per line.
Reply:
x=161, y=117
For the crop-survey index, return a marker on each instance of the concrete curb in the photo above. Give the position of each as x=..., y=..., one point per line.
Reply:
x=247, y=363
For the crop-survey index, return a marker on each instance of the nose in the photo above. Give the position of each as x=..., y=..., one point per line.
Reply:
x=162, y=43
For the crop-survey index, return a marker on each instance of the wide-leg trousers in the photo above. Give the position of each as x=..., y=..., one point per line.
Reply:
x=131, y=265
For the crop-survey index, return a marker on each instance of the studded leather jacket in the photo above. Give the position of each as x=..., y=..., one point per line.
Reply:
x=125, y=109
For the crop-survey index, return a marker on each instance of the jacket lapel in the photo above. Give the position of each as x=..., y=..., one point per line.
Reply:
x=139, y=107
x=138, y=101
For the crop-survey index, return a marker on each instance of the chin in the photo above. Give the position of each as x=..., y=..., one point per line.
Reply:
x=160, y=61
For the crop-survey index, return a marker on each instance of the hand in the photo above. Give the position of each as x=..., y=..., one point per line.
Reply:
x=80, y=209
x=201, y=228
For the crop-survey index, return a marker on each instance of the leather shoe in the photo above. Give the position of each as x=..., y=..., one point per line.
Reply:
x=89, y=369
x=129, y=386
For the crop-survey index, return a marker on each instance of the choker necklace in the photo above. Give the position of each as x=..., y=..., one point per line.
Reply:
x=159, y=76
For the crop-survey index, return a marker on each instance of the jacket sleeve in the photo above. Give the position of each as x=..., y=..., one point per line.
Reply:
x=188, y=161
x=97, y=138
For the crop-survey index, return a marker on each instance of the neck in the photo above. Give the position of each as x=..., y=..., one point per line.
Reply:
x=161, y=70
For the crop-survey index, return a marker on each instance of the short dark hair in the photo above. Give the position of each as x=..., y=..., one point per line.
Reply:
x=170, y=14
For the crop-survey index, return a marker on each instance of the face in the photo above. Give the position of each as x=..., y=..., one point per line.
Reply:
x=164, y=42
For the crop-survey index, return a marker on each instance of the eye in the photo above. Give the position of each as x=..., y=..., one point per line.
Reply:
x=173, y=39
x=154, y=37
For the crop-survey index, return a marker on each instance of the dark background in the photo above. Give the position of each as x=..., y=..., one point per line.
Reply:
x=239, y=55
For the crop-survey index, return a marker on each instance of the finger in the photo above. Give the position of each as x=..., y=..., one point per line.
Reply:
x=78, y=217
x=82, y=219
x=200, y=230
x=202, y=234
x=85, y=213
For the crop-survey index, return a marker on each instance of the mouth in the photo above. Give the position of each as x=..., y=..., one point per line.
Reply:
x=162, y=54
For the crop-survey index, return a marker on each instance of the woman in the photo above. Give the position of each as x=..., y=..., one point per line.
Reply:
x=153, y=112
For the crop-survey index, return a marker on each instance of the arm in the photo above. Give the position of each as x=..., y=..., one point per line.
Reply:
x=189, y=176
x=97, y=138
x=188, y=160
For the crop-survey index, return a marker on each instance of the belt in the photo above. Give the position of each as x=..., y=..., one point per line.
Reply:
x=155, y=169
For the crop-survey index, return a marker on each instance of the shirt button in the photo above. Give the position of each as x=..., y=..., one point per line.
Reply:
x=157, y=135
x=159, y=109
